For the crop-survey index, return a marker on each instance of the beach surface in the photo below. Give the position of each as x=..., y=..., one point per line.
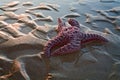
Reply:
x=26, y=26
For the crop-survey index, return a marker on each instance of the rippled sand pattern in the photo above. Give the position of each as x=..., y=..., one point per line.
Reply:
x=26, y=26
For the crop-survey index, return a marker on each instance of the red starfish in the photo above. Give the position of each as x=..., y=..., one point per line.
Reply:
x=71, y=39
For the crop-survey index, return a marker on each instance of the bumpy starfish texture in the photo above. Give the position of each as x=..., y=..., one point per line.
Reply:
x=70, y=38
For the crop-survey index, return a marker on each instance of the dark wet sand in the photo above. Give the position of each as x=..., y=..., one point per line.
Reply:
x=25, y=27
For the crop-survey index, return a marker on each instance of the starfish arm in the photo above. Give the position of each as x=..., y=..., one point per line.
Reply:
x=60, y=39
x=93, y=37
x=68, y=48
x=73, y=22
x=60, y=25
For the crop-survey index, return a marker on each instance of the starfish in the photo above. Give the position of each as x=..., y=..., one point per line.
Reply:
x=70, y=39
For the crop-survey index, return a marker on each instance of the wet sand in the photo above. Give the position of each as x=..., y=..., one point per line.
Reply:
x=25, y=27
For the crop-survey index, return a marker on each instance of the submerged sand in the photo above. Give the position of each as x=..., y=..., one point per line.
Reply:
x=26, y=26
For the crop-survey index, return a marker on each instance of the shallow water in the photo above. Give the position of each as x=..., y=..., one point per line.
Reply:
x=22, y=58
